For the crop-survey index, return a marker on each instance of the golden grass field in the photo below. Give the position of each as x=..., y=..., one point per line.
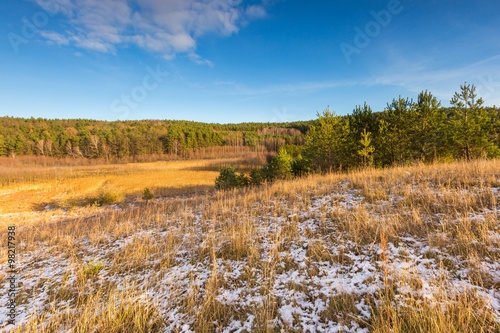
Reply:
x=407, y=249
x=34, y=188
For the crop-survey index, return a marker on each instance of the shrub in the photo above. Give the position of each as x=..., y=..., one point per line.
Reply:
x=227, y=179
x=257, y=176
x=92, y=269
x=107, y=195
x=281, y=165
x=267, y=172
x=147, y=194
x=242, y=180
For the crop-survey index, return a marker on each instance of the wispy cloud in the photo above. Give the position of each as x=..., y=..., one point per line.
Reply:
x=237, y=88
x=54, y=38
x=255, y=11
x=443, y=83
x=165, y=27
x=411, y=76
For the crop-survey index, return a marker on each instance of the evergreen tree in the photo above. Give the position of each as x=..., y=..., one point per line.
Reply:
x=396, y=133
x=430, y=139
x=327, y=142
x=229, y=179
x=300, y=166
x=495, y=115
x=472, y=127
x=361, y=120
x=257, y=176
x=281, y=165
x=367, y=149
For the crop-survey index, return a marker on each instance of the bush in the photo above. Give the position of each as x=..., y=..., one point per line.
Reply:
x=227, y=179
x=256, y=176
x=92, y=269
x=281, y=165
x=242, y=180
x=107, y=195
x=267, y=172
x=147, y=194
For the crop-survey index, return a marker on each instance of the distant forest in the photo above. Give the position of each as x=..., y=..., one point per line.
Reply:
x=122, y=139
x=404, y=132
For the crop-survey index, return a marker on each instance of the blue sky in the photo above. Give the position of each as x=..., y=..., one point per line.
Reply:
x=237, y=61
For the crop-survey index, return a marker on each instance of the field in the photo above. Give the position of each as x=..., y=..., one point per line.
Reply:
x=407, y=249
x=32, y=187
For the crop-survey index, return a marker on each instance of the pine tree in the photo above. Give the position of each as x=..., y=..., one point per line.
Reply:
x=429, y=132
x=397, y=133
x=471, y=126
x=367, y=149
x=281, y=165
x=327, y=142
x=362, y=119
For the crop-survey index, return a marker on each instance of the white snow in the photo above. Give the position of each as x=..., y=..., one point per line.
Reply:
x=301, y=293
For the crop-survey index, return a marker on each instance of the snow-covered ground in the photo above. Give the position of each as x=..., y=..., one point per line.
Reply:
x=308, y=274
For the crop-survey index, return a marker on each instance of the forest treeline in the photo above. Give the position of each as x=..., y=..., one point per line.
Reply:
x=404, y=132
x=123, y=139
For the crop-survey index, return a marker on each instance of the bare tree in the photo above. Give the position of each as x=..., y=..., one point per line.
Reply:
x=47, y=146
x=68, y=149
x=39, y=147
x=94, y=146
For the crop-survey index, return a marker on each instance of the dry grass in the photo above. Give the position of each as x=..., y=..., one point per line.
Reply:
x=455, y=313
x=410, y=249
x=37, y=187
x=113, y=312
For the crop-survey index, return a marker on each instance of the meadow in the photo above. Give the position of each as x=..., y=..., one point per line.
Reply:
x=28, y=185
x=403, y=249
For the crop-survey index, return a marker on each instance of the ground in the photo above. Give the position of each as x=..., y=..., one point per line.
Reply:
x=409, y=249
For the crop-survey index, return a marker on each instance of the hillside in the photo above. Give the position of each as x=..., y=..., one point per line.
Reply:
x=118, y=140
x=408, y=249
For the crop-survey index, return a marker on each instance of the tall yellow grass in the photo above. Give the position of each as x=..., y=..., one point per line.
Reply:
x=38, y=187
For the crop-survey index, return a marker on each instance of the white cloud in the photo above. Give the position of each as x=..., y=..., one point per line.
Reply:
x=199, y=60
x=56, y=6
x=255, y=11
x=55, y=38
x=93, y=44
x=167, y=27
